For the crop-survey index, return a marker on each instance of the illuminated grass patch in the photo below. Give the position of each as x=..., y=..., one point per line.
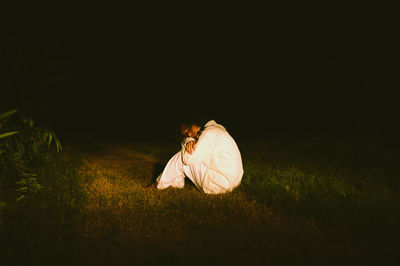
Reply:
x=293, y=207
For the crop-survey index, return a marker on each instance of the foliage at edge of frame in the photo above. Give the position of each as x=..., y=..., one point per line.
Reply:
x=24, y=147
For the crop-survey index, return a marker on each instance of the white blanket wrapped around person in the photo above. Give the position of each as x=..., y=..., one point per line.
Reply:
x=215, y=166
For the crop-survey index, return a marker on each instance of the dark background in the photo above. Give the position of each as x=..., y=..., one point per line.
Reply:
x=128, y=73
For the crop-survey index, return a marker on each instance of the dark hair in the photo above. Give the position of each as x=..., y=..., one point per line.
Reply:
x=196, y=118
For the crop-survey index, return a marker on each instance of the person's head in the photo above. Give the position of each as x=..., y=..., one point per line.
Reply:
x=193, y=123
x=190, y=130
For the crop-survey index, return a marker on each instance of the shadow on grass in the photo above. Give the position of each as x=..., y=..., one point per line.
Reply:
x=157, y=170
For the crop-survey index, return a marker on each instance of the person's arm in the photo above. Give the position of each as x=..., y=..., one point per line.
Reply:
x=189, y=144
x=203, y=148
x=191, y=134
x=186, y=143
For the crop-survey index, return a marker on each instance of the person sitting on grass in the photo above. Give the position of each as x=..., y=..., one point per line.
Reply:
x=209, y=157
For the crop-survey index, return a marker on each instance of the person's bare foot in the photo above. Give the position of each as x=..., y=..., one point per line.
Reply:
x=151, y=186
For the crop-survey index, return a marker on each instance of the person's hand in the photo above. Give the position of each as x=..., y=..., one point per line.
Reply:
x=191, y=146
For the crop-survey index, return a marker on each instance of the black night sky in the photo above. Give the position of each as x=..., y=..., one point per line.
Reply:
x=121, y=74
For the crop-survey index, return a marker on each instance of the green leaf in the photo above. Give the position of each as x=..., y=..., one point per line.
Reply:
x=4, y=135
x=2, y=204
x=50, y=138
x=58, y=144
x=20, y=198
x=45, y=135
x=4, y=115
x=22, y=189
x=21, y=182
x=29, y=174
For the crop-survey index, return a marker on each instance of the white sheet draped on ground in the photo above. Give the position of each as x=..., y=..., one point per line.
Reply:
x=214, y=167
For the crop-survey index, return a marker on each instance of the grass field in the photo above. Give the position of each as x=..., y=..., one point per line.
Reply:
x=301, y=202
